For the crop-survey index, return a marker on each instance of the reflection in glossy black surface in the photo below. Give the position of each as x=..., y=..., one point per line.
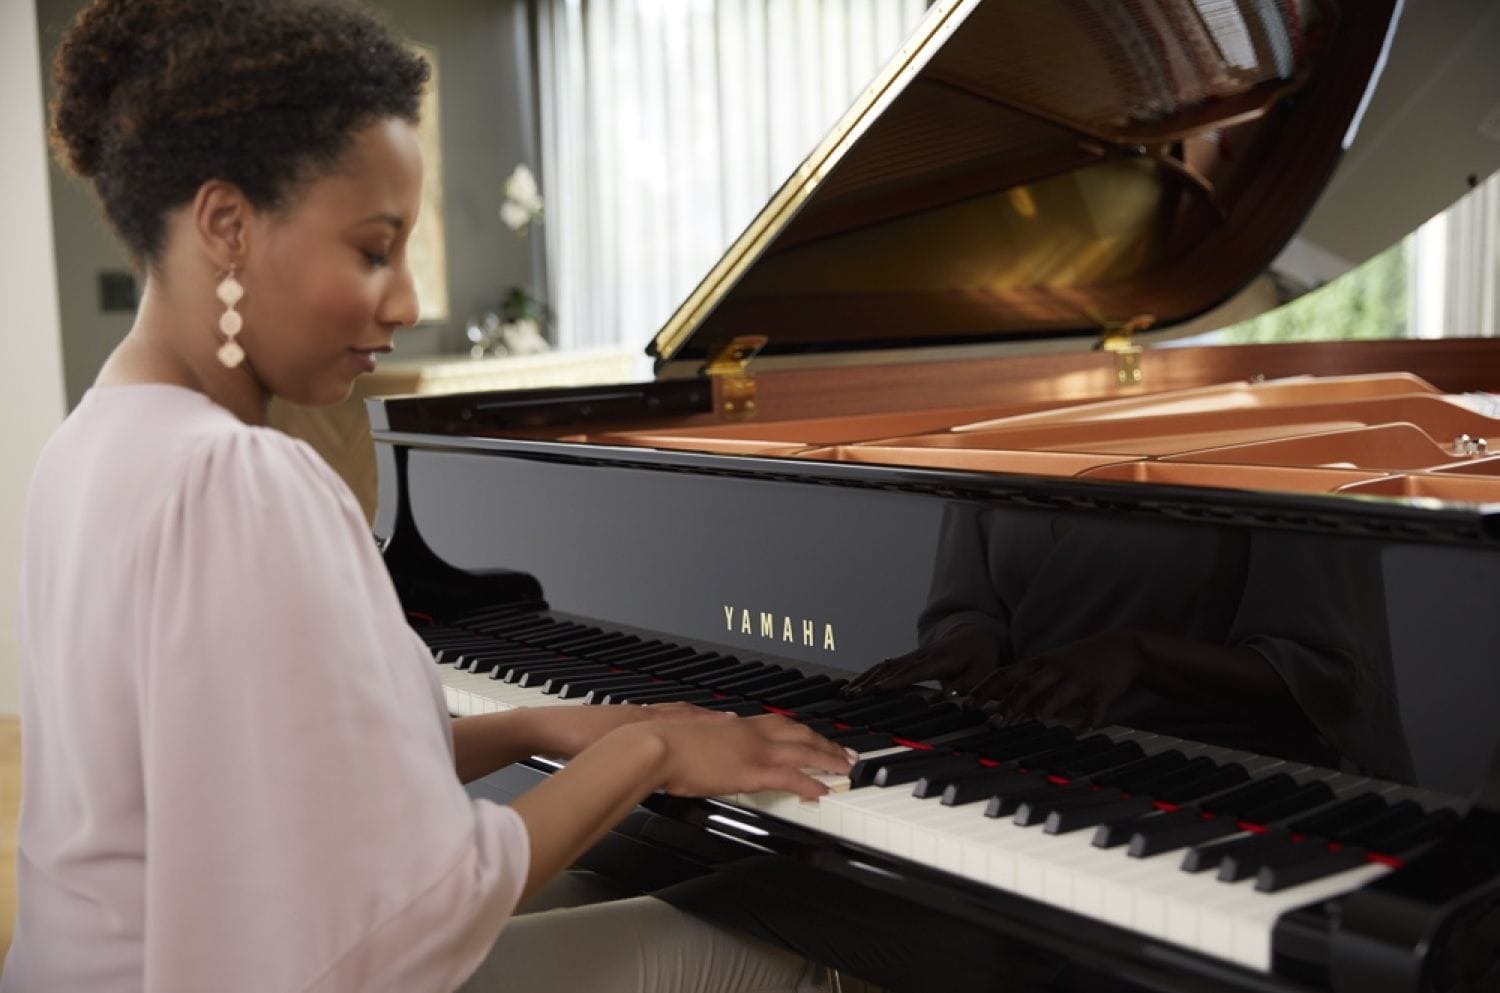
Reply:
x=1383, y=648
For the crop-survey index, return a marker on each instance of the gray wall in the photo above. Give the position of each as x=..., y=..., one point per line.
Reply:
x=484, y=136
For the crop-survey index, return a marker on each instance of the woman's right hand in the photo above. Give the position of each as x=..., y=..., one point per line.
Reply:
x=768, y=752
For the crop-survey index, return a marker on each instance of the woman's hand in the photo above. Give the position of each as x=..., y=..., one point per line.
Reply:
x=486, y=742
x=959, y=661
x=569, y=730
x=743, y=755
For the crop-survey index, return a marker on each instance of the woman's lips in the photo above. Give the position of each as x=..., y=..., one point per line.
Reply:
x=365, y=357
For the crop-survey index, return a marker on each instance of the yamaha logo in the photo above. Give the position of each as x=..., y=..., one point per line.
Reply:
x=781, y=628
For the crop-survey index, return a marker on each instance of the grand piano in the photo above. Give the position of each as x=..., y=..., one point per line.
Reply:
x=1215, y=626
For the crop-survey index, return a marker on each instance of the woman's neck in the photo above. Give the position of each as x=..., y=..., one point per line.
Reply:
x=173, y=342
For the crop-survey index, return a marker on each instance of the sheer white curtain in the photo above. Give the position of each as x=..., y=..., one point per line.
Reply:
x=1454, y=268
x=667, y=124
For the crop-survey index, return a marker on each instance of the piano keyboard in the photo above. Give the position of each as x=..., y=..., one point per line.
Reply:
x=1200, y=846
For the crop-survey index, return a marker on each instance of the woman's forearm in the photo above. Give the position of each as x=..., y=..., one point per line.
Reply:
x=486, y=742
x=571, y=809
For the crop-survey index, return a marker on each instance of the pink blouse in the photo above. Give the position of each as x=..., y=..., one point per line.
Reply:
x=238, y=768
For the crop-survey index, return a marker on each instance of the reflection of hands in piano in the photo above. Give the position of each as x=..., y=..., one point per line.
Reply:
x=958, y=661
x=1079, y=683
x=745, y=755
x=1088, y=681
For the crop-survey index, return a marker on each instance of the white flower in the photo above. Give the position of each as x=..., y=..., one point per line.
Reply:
x=523, y=201
x=523, y=337
x=514, y=215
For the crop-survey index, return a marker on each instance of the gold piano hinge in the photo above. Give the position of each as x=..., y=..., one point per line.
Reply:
x=1120, y=339
x=731, y=368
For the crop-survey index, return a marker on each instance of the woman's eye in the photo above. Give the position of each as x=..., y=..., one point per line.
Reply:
x=376, y=259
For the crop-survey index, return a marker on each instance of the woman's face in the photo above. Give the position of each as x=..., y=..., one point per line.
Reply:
x=326, y=280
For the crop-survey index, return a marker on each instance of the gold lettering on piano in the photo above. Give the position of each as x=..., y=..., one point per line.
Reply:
x=744, y=620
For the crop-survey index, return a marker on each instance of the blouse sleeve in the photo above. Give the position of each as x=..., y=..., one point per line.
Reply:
x=305, y=827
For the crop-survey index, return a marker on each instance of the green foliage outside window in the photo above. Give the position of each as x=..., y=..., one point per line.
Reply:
x=1368, y=302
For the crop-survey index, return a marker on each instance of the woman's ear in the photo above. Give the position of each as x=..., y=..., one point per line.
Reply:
x=221, y=219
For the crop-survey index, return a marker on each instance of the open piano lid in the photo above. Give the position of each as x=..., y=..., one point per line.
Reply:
x=1026, y=170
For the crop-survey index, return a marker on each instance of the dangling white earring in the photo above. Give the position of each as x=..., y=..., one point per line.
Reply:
x=230, y=322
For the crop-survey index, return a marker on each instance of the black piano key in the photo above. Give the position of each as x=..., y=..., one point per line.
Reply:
x=1005, y=801
x=762, y=682
x=819, y=725
x=480, y=664
x=639, y=658
x=875, y=712
x=701, y=664
x=837, y=707
x=1342, y=816
x=1021, y=747
x=540, y=677
x=1215, y=781
x=509, y=626
x=945, y=718
x=511, y=671
x=844, y=732
x=968, y=740
x=572, y=687
x=498, y=612
x=1308, y=796
x=1086, y=815
x=808, y=690
x=1114, y=833
x=565, y=636
x=863, y=741
x=867, y=771
x=600, y=643
x=932, y=785
x=1178, y=829
x=1129, y=777
x=1399, y=840
x=1235, y=802
x=638, y=651
x=716, y=681
x=739, y=708
x=1202, y=858
x=1258, y=851
x=1311, y=862
x=1058, y=761
x=938, y=765
x=503, y=651
x=614, y=693
x=676, y=694
x=1397, y=816
x=1117, y=755
x=1037, y=811
x=1195, y=769
x=979, y=786
x=533, y=673
x=520, y=634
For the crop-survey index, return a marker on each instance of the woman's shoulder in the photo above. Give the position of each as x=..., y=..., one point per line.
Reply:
x=182, y=446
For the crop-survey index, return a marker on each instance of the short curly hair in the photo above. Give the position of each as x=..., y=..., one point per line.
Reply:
x=156, y=97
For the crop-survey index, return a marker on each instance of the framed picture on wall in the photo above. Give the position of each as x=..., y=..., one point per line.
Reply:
x=425, y=250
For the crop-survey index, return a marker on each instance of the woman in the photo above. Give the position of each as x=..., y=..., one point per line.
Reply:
x=239, y=775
